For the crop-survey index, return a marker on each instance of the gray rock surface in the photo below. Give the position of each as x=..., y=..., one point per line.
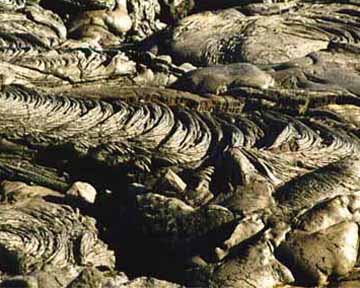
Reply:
x=179, y=144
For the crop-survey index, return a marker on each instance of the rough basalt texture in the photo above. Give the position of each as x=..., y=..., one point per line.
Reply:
x=31, y=27
x=179, y=144
x=227, y=36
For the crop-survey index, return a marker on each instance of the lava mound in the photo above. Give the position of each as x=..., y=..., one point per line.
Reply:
x=157, y=143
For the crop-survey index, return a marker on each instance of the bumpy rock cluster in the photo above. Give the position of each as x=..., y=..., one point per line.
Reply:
x=184, y=143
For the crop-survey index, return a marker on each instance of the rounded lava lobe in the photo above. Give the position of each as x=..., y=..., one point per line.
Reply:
x=313, y=257
x=118, y=20
x=227, y=36
x=327, y=214
x=83, y=191
x=257, y=190
x=102, y=27
x=256, y=267
x=221, y=78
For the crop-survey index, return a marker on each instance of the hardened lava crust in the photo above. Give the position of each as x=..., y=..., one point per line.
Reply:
x=188, y=143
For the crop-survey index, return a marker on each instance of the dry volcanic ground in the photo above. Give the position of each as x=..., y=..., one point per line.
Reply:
x=179, y=143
